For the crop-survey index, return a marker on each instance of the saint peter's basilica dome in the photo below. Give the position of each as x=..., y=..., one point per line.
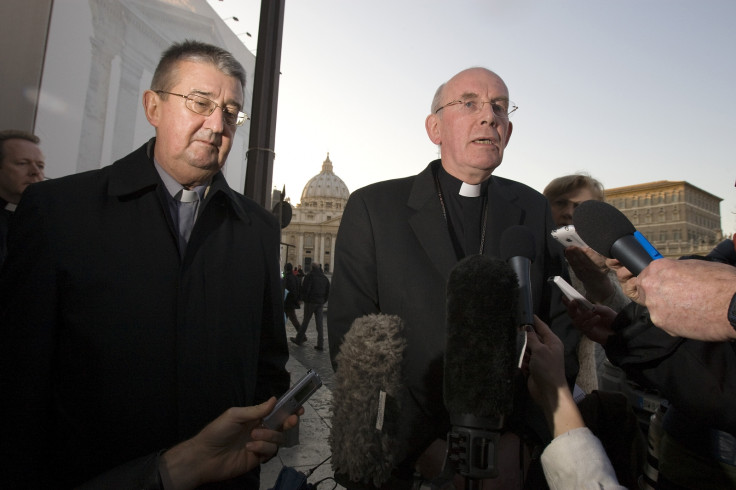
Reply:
x=325, y=189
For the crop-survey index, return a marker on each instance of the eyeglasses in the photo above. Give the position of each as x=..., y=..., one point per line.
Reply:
x=502, y=108
x=205, y=107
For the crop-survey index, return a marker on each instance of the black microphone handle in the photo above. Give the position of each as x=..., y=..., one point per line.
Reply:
x=522, y=266
x=631, y=254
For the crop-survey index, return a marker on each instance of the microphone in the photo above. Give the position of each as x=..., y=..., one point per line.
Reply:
x=517, y=248
x=610, y=233
x=478, y=390
x=367, y=402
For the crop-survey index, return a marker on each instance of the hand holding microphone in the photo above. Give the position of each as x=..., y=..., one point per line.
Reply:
x=687, y=298
x=610, y=233
x=547, y=383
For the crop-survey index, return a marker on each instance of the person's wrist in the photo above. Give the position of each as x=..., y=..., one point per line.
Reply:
x=177, y=467
x=599, y=289
x=566, y=415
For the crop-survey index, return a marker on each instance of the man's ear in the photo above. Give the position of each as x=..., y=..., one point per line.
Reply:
x=152, y=107
x=508, y=135
x=432, y=125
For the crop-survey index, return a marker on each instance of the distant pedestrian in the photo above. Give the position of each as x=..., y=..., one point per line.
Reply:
x=316, y=290
x=291, y=288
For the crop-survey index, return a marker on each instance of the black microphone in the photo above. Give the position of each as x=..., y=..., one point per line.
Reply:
x=367, y=402
x=610, y=233
x=517, y=248
x=480, y=362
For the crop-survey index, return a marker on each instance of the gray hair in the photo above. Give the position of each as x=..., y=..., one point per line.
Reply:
x=437, y=100
x=167, y=70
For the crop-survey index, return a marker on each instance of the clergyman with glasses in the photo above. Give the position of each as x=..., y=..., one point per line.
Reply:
x=398, y=241
x=142, y=302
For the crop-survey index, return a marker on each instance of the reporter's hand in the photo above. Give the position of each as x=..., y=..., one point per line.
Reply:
x=626, y=279
x=590, y=267
x=546, y=362
x=547, y=384
x=231, y=445
x=594, y=324
x=689, y=298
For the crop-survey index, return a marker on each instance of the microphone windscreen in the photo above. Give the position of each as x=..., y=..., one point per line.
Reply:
x=365, y=424
x=482, y=303
x=600, y=225
x=517, y=241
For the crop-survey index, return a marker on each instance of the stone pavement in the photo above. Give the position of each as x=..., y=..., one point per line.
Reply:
x=314, y=425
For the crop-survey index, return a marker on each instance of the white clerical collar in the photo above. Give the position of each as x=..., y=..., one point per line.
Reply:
x=11, y=207
x=470, y=190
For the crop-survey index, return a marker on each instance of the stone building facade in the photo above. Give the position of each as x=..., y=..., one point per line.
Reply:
x=675, y=216
x=310, y=237
x=99, y=60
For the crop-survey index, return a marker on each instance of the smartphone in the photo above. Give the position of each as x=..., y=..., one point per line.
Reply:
x=290, y=401
x=567, y=236
x=571, y=293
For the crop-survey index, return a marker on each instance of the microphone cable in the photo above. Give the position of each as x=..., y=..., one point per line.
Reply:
x=311, y=470
x=314, y=485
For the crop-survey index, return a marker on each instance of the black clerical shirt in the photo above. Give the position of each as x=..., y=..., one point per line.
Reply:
x=464, y=213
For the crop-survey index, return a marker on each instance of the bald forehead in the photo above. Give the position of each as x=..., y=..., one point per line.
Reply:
x=477, y=76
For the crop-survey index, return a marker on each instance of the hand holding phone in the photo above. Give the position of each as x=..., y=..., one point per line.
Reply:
x=571, y=293
x=290, y=401
x=567, y=236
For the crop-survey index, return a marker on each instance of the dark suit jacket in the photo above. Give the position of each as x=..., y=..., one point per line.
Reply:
x=394, y=255
x=113, y=346
x=5, y=216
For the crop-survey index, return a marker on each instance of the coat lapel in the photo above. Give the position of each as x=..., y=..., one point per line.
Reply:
x=428, y=224
x=503, y=212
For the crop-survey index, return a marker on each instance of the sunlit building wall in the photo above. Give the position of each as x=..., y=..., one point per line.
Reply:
x=675, y=216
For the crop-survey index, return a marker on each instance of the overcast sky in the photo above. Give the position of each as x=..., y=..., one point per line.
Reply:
x=630, y=91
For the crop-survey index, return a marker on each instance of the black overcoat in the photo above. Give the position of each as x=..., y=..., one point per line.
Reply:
x=113, y=346
x=394, y=254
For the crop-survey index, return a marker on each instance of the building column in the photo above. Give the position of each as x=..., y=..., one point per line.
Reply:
x=300, y=249
x=128, y=103
x=332, y=252
x=95, y=108
x=321, y=248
